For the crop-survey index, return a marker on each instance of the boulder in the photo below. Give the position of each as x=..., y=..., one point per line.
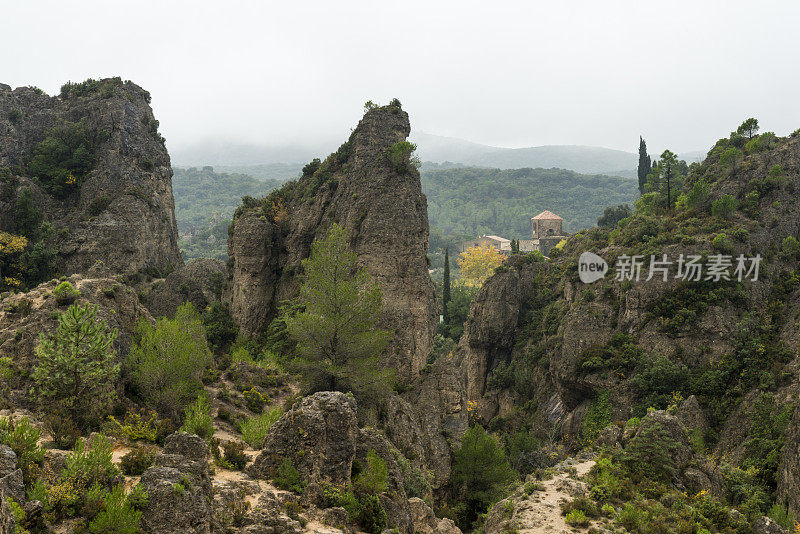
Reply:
x=13, y=486
x=691, y=415
x=179, y=488
x=425, y=522
x=609, y=436
x=765, y=525
x=198, y=282
x=318, y=434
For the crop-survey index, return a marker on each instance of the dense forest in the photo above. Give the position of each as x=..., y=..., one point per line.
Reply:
x=474, y=201
x=204, y=205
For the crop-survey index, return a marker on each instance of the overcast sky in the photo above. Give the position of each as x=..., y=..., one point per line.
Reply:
x=512, y=74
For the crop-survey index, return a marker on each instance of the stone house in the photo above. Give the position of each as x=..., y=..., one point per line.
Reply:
x=546, y=231
x=493, y=241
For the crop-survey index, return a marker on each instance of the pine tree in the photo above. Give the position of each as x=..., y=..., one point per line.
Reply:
x=645, y=165
x=338, y=342
x=446, y=288
x=77, y=366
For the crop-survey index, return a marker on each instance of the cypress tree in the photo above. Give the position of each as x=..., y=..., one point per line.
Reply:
x=644, y=165
x=446, y=287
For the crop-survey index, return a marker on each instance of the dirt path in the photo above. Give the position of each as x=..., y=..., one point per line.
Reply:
x=540, y=512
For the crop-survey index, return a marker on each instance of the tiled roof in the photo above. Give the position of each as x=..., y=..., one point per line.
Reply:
x=547, y=215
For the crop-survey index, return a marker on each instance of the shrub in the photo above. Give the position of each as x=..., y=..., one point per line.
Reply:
x=62, y=429
x=91, y=463
x=136, y=427
x=651, y=453
x=254, y=429
x=23, y=438
x=221, y=330
x=576, y=518
x=596, y=417
x=197, y=419
x=166, y=364
x=63, y=158
x=724, y=206
x=288, y=478
x=234, y=456
x=137, y=461
x=99, y=205
x=790, y=247
x=400, y=156
x=77, y=368
x=65, y=293
x=370, y=514
x=118, y=515
x=722, y=244
x=374, y=477
x=254, y=400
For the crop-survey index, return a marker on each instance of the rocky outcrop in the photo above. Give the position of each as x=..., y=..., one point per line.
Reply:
x=179, y=488
x=122, y=218
x=26, y=316
x=385, y=214
x=11, y=483
x=318, y=435
x=8, y=524
x=199, y=282
x=425, y=522
x=789, y=471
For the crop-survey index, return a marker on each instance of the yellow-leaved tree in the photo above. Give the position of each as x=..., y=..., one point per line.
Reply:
x=477, y=264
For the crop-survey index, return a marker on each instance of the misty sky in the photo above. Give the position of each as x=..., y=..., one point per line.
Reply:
x=510, y=74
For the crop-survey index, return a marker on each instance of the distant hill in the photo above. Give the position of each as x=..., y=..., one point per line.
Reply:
x=474, y=201
x=204, y=204
x=281, y=162
x=583, y=159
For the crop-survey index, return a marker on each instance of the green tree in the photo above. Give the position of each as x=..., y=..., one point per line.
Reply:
x=77, y=367
x=446, y=287
x=338, y=341
x=645, y=165
x=612, y=215
x=724, y=206
x=748, y=128
x=730, y=157
x=165, y=365
x=481, y=470
x=28, y=215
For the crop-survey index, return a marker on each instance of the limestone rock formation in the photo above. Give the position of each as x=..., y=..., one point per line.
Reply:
x=179, y=488
x=385, y=213
x=26, y=316
x=318, y=435
x=122, y=218
x=198, y=282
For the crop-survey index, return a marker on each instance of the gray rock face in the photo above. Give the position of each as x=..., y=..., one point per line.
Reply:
x=194, y=282
x=179, y=488
x=425, y=522
x=765, y=525
x=131, y=181
x=318, y=435
x=8, y=524
x=385, y=214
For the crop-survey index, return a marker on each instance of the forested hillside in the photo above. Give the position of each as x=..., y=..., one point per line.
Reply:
x=204, y=205
x=475, y=201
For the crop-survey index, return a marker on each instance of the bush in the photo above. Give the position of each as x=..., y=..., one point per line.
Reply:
x=63, y=158
x=234, y=456
x=254, y=429
x=724, y=206
x=651, y=453
x=197, y=419
x=136, y=427
x=91, y=463
x=288, y=478
x=221, y=330
x=596, y=417
x=65, y=293
x=137, y=461
x=400, y=156
x=99, y=205
x=23, y=438
x=254, y=400
x=166, y=364
x=576, y=518
x=374, y=477
x=118, y=515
